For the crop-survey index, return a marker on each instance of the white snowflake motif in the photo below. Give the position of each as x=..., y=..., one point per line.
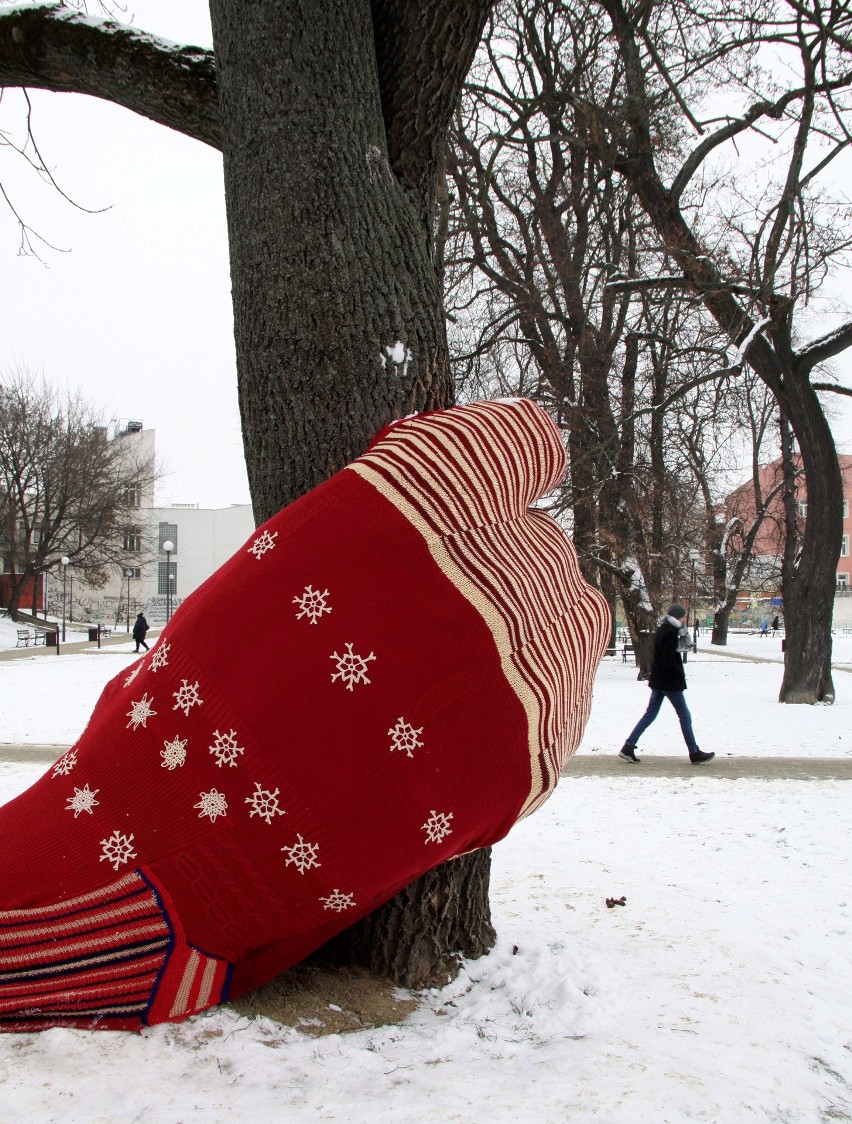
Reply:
x=437, y=827
x=303, y=854
x=133, y=673
x=404, y=737
x=187, y=696
x=351, y=668
x=337, y=901
x=212, y=804
x=118, y=849
x=174, y=754
x=83, y=800
x=225, y=748
x=65, y=763
x=264, y=803
x=160, y=657
x=262, y=544
x=312, y=604
x=140, y=711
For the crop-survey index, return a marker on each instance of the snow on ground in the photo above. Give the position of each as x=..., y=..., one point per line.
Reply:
x=720, y=992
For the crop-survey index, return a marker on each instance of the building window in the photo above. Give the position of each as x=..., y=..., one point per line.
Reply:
x=843, y=583
x=844, y=547
x=803, y=509
x=168, y=533
x=165, y=571
x=846, y=509
x=133, y=496
x=133, y=540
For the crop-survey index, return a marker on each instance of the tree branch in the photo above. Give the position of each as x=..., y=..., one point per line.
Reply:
x=52, y=47
x=423, y=52
x=775, y=110
x=826, y=347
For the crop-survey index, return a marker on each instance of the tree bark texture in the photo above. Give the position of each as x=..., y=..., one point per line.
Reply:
x=419, y=937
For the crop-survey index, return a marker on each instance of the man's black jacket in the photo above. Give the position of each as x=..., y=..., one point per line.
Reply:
x=667, y=672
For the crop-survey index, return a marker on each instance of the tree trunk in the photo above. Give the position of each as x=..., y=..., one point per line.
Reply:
x=809, y=576
x=338, y=327
x=721, y=619
x=419, y=937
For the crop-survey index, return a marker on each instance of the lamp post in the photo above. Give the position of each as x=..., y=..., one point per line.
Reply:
x=71, y=597
x=168, y=547
x=128, y=574
x=694, y=555
x=64, y=560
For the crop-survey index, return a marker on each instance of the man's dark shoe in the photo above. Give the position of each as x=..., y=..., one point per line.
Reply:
x=628, y=753
x=699, y=756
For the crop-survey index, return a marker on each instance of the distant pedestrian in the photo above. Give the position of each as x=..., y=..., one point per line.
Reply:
x=776, y=624
x=764, y=628
x=667, y=681
x=140, y=628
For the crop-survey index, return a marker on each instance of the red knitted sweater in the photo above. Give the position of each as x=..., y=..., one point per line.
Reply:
x=238, y=797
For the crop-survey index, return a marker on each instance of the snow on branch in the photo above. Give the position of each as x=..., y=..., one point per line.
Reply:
x=50, y=46
x=826, y=347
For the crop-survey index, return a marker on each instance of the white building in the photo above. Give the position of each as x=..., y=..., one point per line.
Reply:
x=202, y=539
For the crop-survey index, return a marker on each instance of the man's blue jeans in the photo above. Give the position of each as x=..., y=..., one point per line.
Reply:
x=679, y=703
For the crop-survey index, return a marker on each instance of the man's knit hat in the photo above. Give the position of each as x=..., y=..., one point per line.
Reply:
x=676, y=611
x=421, y=675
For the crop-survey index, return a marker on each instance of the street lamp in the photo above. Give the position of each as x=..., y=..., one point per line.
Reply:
x=168, y=547
x=694, y=555
x=128, y=574
x=64, y=560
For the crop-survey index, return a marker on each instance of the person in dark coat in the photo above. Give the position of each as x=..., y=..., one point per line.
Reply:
x=140, y=628
x=667, y=681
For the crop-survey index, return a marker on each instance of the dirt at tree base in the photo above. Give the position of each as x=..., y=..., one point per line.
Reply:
x=320, y=999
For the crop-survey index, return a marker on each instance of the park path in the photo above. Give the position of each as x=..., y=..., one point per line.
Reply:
x=111, y=641
x=606, y=765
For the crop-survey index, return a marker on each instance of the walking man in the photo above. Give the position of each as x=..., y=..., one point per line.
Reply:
x=667, y=681
x=140, y=628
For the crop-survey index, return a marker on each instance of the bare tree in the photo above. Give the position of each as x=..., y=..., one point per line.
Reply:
x=758, y=265
x=68, y=490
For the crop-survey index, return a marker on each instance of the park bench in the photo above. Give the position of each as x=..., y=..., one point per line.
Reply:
x=26, y=638
x=627, y=648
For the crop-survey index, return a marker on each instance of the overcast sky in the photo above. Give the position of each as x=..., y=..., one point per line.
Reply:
x=137, y=313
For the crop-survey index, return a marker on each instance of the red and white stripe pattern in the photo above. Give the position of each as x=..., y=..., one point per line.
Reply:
x=465, y=479
x=96, y=961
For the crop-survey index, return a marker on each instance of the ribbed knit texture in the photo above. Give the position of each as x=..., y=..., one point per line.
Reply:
x=424, y=675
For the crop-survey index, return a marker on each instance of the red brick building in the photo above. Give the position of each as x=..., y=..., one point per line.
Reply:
x=769, y=544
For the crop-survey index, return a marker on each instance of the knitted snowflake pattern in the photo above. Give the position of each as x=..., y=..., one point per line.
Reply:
x=160, y=657
x=312, y=604
x=437, y=827
x=133, y=673
x=65, y=763
x=140, y=711
x=187, y=696
x=83, y=800
x=174, y=753
x=302, y=854
x=404, y=737
x=262, y=544
x=264, y=803
x=117, y=849
x=212, y=804
x=337, y=901
x=351, y=668
x=225, y=748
